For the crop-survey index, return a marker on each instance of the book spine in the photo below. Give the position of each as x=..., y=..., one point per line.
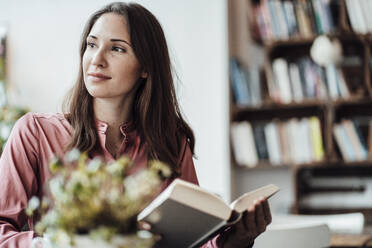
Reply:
x=318, y=17
x=290, y=16
x=280, y=69
x=209, y=235
x=273, y=143
x=261, y=23
x=303, y=20
x=316, y=137
x=343, y=143
x=267, y=19
x=239, y=84
x=295, y=78
x=327, y=16
x=361, y=139
x=332, y=81
x=281, y=19
x=274, y=18
x=245, y=152
x=344, y=90
x=255, y=85
x=260, y=141
x=352, y=136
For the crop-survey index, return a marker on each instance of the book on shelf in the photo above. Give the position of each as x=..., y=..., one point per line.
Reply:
x=239, y=83
x=332, y=81
x=274, y=19
x=295, y=78
x=350, y=140
x=283, y=20
x=246, y=84
x=281, y=75
x=260, y=141
x=303, y=79
x=344, y=143
x=360, y=152
x=358, y=129
x=273, y=143
x=187, y=215
x=294, y=141
x=359, y=13
x=244, y=148
x=316, y=138
x=284, y=143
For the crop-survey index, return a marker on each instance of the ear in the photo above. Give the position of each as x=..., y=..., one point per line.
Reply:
x=144, y=74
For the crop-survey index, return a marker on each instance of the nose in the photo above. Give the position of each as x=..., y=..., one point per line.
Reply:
x=98, y=58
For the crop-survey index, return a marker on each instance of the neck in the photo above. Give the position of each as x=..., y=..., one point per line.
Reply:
x=113, y=112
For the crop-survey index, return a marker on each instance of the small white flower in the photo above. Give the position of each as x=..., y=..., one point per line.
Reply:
x=143, y=234
x=115, y=168
x=62, y=239
x=5, y=130
x=94, y=165
x=72, y=155
x=113, y=195
x=33, y=204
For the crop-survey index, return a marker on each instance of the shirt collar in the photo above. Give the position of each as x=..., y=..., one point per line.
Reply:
x=125, y=128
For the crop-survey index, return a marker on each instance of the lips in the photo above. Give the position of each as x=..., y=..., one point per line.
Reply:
x=98, y=76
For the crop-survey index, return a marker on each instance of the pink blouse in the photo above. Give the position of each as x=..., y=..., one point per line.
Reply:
x=24, y=168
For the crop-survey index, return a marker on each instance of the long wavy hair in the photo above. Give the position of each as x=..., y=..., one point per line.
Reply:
x=156, y=113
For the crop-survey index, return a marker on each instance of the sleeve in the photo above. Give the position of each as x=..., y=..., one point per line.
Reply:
x=18, y=180
x=188, y=174
x=187, y=164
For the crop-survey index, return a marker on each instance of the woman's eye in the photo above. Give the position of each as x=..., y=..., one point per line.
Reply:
x=90, y=44
x=118, y=49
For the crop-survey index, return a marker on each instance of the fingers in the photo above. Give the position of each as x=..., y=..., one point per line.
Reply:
x=267, y=212
x=249, y=218
x=260, y=217
x=142, y=225
x=253, y=223
x=257, y=217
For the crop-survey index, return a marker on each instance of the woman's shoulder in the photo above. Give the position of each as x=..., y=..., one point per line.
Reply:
x=33, y=120
x=48, y=117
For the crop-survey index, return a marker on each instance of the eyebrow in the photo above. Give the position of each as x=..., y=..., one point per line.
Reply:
x=113, y=40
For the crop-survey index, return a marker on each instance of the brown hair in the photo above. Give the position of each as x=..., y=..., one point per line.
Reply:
x=156, y=113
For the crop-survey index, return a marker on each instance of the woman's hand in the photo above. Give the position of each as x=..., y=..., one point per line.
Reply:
x=253, y=223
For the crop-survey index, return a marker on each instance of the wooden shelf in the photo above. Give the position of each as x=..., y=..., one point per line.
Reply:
x=357, y=101
x=262, y=165
x=268, y=165
x=326, y=165
x=306, y=41
x=272, y=110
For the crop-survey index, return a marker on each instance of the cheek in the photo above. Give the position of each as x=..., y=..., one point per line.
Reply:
x=129, y=72
x=85, y=62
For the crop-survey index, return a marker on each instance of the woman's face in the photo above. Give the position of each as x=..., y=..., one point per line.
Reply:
x=110, y=66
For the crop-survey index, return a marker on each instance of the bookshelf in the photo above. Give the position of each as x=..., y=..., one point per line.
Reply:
x=338, y=97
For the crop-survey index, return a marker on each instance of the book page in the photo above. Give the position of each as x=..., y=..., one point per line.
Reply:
x=196, y=197
x=245, y=201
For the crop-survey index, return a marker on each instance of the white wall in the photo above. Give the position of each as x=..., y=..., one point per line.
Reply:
x=43, y=59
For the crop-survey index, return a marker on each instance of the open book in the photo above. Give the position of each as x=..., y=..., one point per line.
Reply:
x=187, y=216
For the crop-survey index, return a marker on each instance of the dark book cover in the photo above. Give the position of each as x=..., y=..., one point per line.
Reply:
x=260, y=141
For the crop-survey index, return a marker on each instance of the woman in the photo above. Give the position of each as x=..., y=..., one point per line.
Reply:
x=123, y=102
